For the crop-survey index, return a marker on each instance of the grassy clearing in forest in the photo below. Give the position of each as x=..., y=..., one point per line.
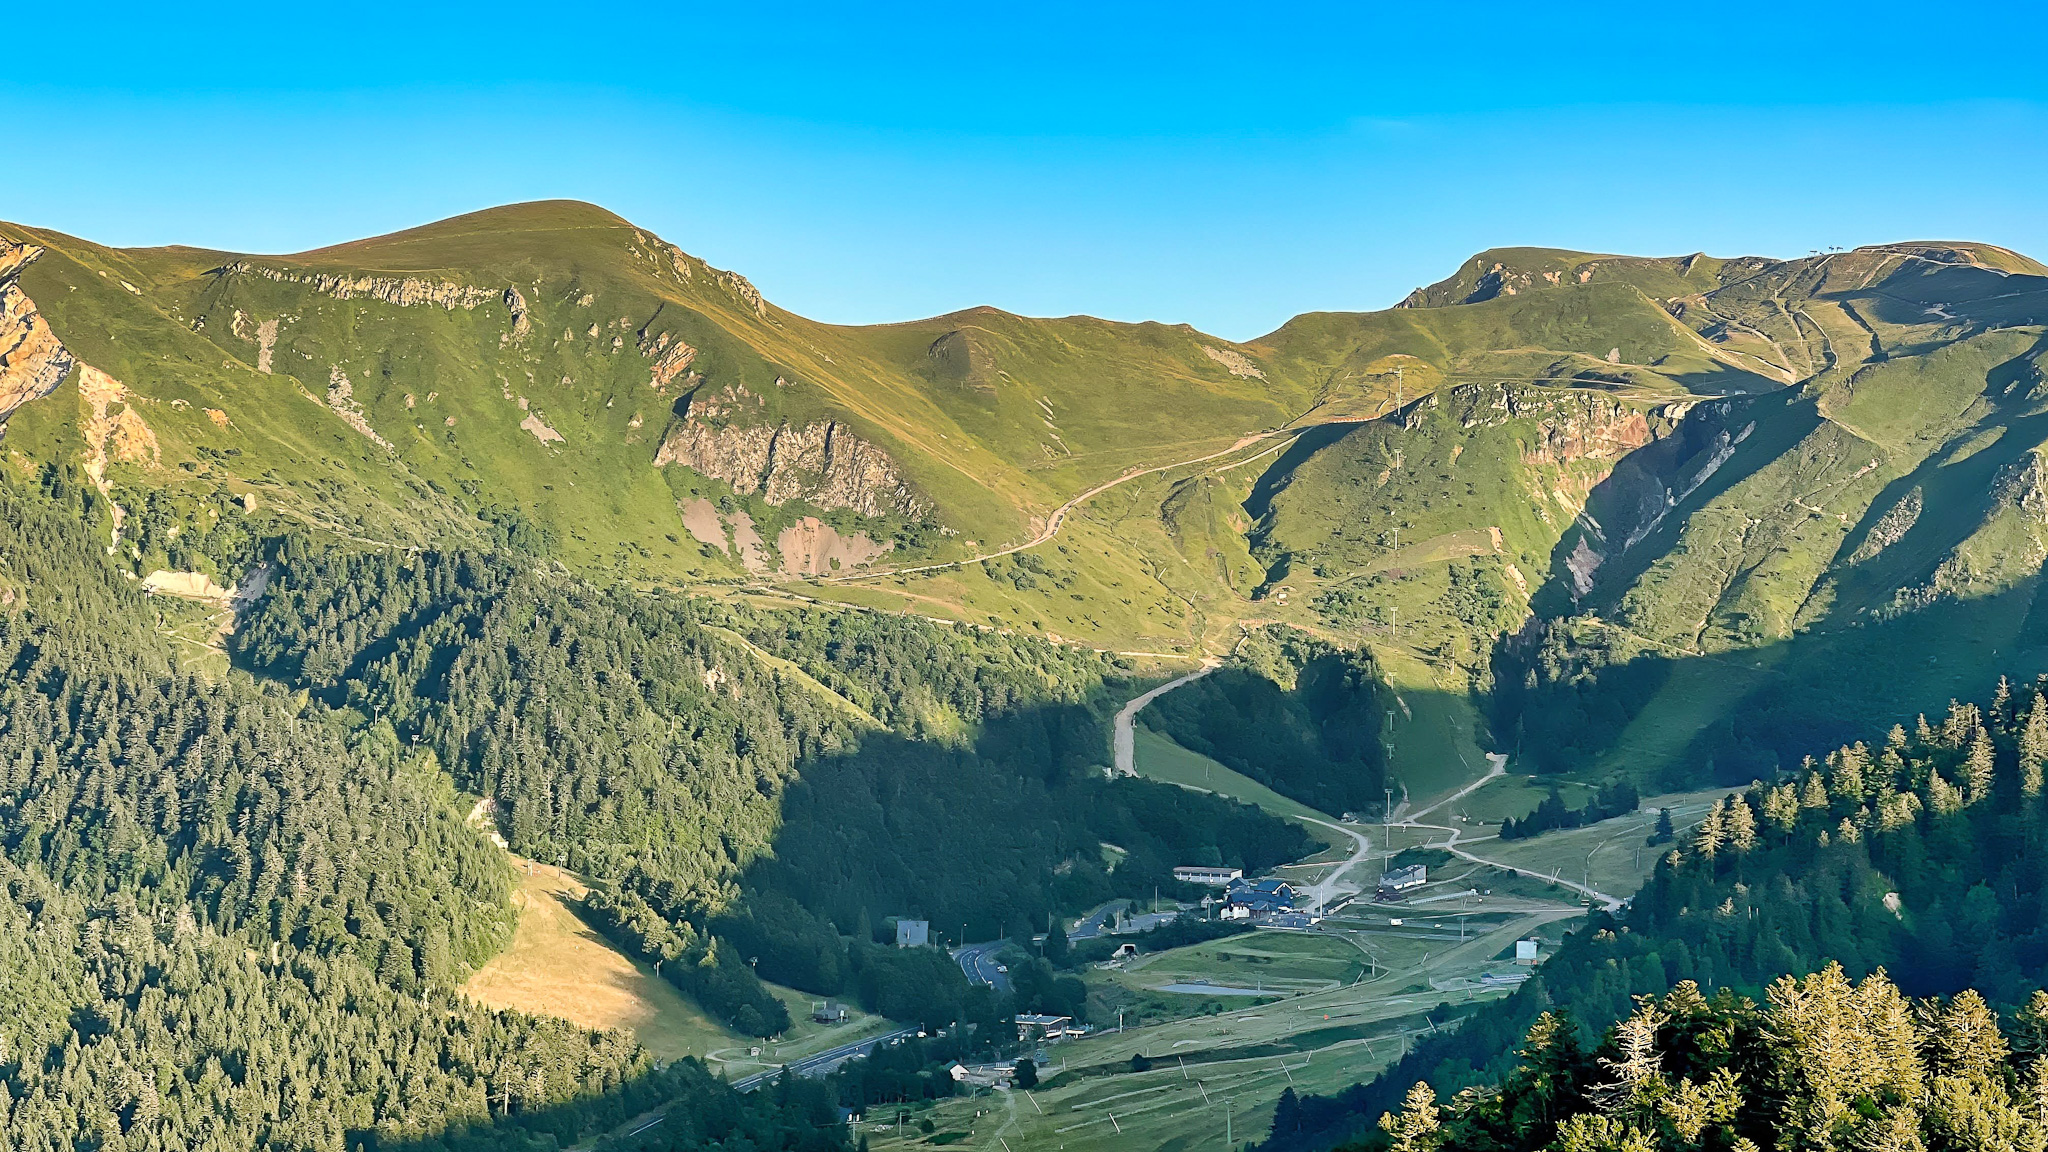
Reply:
x=557, y=965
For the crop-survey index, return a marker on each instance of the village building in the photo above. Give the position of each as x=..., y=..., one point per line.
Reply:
x=1033, y=1027
x=1400, y=880
x=1202, y=874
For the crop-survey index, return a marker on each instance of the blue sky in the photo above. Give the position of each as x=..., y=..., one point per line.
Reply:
x=1221, y=165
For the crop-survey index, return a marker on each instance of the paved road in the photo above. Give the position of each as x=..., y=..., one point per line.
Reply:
x=1096, y=922
x=825, y=1061
x=1326, y=891
x=979, y=962
x=817, y=1065
x=1125, y=741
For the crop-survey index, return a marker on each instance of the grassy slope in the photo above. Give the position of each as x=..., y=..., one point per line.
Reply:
x=998, y=418
x=1049, y=406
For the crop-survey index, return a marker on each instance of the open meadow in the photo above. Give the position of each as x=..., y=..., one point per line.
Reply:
x=560, y=966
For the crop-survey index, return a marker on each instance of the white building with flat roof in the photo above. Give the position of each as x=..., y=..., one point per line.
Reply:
x=1202, y=874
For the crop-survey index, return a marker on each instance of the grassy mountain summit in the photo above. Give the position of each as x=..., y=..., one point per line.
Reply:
x=552, y=357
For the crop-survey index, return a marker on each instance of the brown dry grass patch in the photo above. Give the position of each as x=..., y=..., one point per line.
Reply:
x=557, y=965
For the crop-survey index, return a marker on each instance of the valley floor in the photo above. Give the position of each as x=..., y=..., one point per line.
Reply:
x=1325, y=1009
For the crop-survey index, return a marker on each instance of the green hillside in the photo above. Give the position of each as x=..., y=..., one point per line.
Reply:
x=767, y=634
x=1546, y=466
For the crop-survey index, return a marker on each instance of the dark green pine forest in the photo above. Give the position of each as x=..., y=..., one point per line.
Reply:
x=237, y=909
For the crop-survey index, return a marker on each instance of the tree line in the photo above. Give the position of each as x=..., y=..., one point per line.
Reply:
x=1824, y=1063
x=1293, y=712
x=1615, y=798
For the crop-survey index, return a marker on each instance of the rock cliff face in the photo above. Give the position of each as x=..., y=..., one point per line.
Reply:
x=32, y=360
x=405, y=291
x=822, y=462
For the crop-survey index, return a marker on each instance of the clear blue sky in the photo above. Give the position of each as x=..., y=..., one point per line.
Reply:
x=1222, y=165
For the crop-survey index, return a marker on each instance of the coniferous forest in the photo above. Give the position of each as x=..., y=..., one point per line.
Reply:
x=236, y=910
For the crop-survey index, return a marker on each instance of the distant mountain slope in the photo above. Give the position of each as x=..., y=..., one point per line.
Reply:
x=1540, y=469
x=1652, y=585
x=552, y=357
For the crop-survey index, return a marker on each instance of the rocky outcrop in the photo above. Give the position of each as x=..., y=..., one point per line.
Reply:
x=341, y=397
x=404, y=291
x=32, y=360
x=2022, y=485
x=822, y=462
x=1234, y=362
x=1893, y=525
x=1571, y=424
x=743, y=288
x=671, y=358
x=522, y=320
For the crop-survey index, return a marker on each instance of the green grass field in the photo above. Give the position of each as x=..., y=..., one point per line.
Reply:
x=1285, y=962
x=1160, y=758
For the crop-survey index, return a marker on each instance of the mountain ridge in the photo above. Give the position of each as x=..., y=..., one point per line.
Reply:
x=551, y=368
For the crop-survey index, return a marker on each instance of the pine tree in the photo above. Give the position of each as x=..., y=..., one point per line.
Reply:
x=1741, y=825
x=1418, y=1128
x=2034, y=746
x=1710, y=835
x=1979, y=768
x=1815, y=794
x=1964, y=1038
x=1637, y=1067
x=1664, y=833
x=1942, y=797
x=1781, y=809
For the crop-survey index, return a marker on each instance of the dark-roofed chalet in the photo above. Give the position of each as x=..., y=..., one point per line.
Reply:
x=1257, y=899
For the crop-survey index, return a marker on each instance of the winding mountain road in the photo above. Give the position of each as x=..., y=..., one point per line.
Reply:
x=1124, y=741
x=1058, y=518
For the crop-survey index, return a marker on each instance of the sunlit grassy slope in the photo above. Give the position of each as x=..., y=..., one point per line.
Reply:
x=1687, y=454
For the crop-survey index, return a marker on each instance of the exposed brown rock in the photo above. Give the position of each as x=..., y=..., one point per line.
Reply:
x=1234, y=362
x=32, y=360
x=114, y=432
x=540, y=429
x=811, y=547
x=822, y=462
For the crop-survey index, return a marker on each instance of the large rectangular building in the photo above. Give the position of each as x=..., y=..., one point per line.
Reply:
x=1404, y=879
x=1201, y=874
